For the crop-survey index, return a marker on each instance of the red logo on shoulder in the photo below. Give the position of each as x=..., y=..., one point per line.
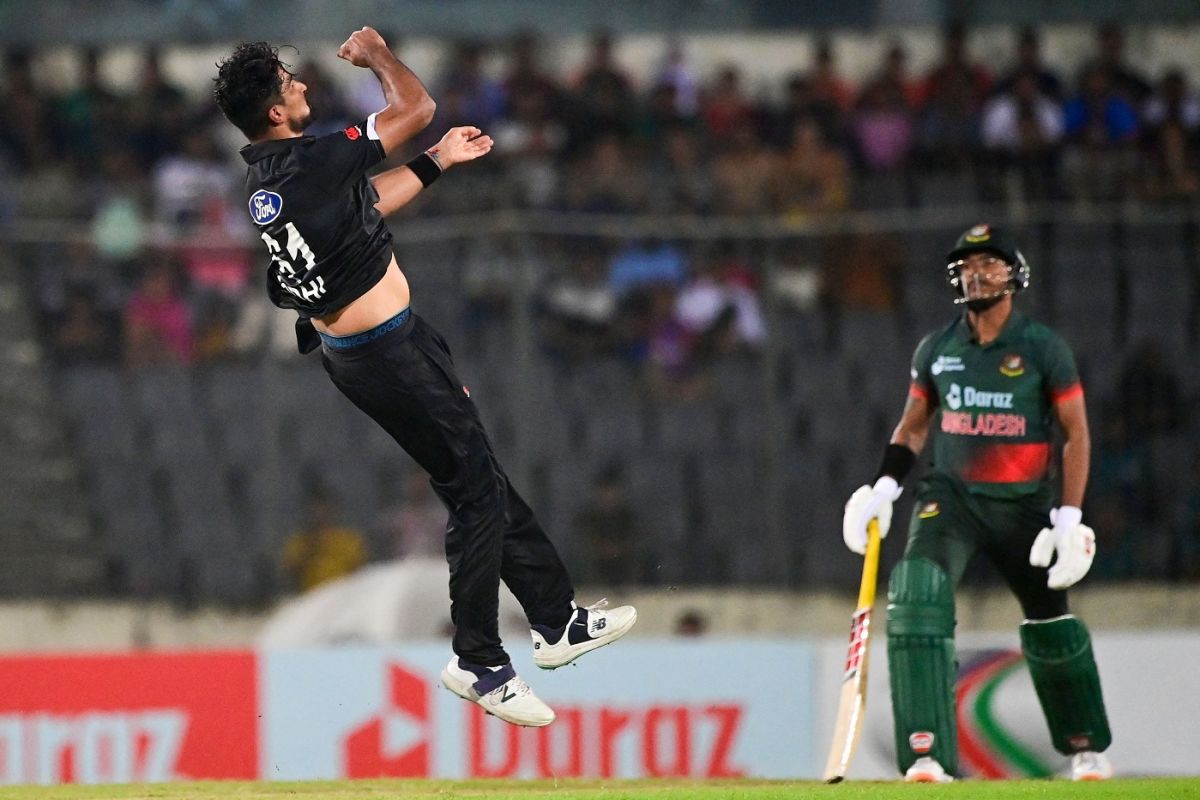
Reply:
x=352, y=132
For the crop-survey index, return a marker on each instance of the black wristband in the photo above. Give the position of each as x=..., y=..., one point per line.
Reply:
x=898, y=461
x=425, y=168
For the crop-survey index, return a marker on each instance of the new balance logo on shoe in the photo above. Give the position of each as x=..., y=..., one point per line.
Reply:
x=588, y=630
x=497, y=690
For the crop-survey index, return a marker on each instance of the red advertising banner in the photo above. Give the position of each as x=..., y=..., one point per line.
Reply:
x=128, y=718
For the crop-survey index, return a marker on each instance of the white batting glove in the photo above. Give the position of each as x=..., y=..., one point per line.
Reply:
x=1074, y=542
x=867, y=503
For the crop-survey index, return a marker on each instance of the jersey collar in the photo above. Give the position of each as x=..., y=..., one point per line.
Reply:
x=1012, y=327
x=257, y=152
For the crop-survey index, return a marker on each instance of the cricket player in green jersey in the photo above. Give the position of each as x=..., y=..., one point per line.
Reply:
x=992, y=383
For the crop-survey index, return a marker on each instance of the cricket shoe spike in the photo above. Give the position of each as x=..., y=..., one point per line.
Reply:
x=1090, y=766
x=589, y=627
x=927, y=770
x=497, y=690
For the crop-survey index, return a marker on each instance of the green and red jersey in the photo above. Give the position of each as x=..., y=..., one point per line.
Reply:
x=993, y=402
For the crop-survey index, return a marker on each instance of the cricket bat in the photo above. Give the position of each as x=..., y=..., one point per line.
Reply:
x=852, y=707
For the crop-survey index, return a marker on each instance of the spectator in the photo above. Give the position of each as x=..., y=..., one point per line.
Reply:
x=1101, y=128
x=156, y=113
x=119, y=225
x=1098, y=115
x=1023, y=121
x=812, y=177
x=608, y=532
x=533, y=132
x=527, y=77
x=324, y=549
x=1170, y=149
x=883, y=123
x=184, y=181
x=579, y=305
x=600, y=182
x=604, y=95
x=724, y=107
x=214, y=255
x=1173, y=102
x=952, y=97
x=467, y=96
x=742, y=173
x=25, y=116
x=829, y=90
x=1029, y=63
x=679, y=179
x=530, y=136
x=679, y=76
x=1022, y=131
x=668, y=369
x=88, y=113
x=157, y=323
x=718, y=308
x=660, y=117
x=1124, y=79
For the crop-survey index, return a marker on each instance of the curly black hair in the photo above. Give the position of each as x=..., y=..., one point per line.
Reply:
x=248, y=83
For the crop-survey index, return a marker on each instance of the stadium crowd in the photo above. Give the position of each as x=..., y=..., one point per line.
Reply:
x=160, y=265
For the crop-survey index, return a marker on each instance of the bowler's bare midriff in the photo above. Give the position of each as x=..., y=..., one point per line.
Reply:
x=381, y=302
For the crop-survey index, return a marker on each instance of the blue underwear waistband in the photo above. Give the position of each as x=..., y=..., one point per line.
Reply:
x=356, y=339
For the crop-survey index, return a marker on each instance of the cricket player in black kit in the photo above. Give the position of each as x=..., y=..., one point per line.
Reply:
x=321, y=219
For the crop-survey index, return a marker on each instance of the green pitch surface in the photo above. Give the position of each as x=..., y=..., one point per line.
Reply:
x=1150, y=789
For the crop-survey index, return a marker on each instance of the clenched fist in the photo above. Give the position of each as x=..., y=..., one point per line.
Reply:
x=362, y=47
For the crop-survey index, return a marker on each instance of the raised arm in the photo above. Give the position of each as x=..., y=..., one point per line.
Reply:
x=409, y=108
x=398, y=186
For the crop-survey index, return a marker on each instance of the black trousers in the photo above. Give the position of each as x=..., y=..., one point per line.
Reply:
x=406, y=381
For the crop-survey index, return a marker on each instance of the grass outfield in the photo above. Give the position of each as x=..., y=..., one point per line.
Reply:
x=1150, y=789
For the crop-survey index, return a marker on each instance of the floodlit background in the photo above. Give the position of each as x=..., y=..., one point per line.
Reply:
x=683, y=289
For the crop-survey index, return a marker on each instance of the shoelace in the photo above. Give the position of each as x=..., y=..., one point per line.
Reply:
x=599, y=605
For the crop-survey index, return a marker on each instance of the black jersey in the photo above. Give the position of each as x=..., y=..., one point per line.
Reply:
x=315, y=210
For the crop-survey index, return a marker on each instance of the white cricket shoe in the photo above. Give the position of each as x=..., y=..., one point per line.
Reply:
x=927, y=770
x=1090, y=766
x=590, y=627
x=499, y=692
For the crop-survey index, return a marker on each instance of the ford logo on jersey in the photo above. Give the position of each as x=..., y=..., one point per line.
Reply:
x=265, y=206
